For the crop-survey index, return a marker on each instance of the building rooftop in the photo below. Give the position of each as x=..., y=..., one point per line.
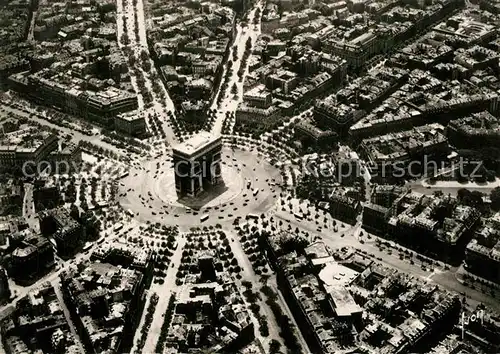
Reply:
x=343, y=300
x=137, y=256
x=335, y=274
x=196, y=143
x=401, y=145
x=25, y=139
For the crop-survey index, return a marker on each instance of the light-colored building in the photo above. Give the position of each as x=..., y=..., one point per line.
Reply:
x=197, y=163
x=131, y=124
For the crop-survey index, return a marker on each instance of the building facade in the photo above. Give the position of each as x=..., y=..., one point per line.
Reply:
x=133, y=125
x=32, y=258
x=13, y=155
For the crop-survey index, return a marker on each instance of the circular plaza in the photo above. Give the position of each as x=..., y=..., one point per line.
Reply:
x=249, y=186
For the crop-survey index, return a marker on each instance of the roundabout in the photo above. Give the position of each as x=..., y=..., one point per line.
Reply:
x=164, y=188
x=250, y=187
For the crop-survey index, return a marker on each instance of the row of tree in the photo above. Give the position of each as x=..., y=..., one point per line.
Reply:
x=148, y=319
x=167, y=318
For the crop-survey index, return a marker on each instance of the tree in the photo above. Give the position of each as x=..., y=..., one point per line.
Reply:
x=438, y=194
x=125, y=40
x=495, y=198
x=473, y=199
x=462, y=193
x=146, y=66
x=274, y=346
x=144, y=55
x=74, y=212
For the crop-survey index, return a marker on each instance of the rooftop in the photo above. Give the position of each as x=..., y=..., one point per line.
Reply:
x=334, y=275
x=196, y=143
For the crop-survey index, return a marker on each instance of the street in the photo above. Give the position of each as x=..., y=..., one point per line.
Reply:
x=76, y=136
x=150, y=191
x=445, y=278
x=29, y=208
x=229, y=103
x=256, y=280
x=256, y=174
x=164, y=291
x=57, y=288
x=158, y=107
